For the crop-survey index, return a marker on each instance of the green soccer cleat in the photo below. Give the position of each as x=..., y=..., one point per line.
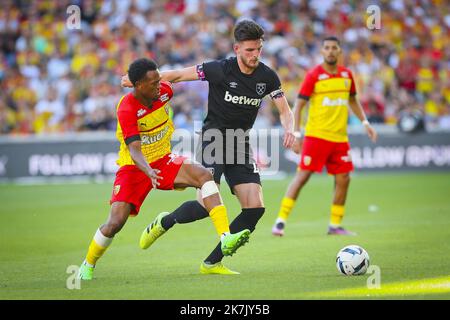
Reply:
x=233, y=241
x=217, y=268
x=153, y=231
x=85, y=272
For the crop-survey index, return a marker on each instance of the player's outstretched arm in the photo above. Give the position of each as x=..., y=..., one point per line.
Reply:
x=359, y=112
x=287, y=120
x=185, y=74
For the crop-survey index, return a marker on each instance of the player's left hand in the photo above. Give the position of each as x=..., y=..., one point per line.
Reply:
x=289, y=139
x=371, y=133
x=125, y=82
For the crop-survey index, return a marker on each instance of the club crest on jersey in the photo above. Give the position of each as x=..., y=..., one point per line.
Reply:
x=306, y=160
x=323, y=76
x=260, y=88
x=141, y=112
x=116, y=189
x=347, y=158
x=344, y=74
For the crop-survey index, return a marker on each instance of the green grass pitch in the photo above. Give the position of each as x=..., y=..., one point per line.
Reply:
x=45, y=229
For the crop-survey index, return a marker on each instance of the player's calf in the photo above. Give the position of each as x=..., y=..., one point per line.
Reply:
x=97, y=248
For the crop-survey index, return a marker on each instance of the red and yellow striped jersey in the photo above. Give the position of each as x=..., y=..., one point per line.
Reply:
x=152, y=126
x=329, y=101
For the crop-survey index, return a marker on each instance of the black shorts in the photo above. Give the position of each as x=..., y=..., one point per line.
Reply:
x=244, y=170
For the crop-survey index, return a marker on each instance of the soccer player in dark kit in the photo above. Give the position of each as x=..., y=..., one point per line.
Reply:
x=237, y=86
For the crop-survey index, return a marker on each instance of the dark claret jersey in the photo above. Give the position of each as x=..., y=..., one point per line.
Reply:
x=234, y=97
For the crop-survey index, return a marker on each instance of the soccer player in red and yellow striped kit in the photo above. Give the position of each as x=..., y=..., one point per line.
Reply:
x=144, y=131
x=330, y=90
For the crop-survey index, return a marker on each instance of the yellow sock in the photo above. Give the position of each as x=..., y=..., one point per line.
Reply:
x=337, y=213
x=286, y=207
x=97, y=247
x=219, y=218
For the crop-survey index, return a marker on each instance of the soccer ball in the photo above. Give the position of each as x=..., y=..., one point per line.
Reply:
x=352, y=260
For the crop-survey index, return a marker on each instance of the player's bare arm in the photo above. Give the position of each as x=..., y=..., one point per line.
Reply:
x=141, y=162
x=298, y=109
x=185, y=74
x=357, y=109
x=287, y=120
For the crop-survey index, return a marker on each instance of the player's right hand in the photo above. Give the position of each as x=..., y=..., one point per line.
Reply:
x=297, y=146
x=125, y=82
x=153, y=175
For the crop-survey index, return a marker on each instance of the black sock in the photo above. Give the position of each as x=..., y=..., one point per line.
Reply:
x=188, y=212
x=247, y=219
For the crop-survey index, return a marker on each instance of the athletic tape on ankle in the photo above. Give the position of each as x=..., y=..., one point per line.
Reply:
x=208, y=189
x=101, y=240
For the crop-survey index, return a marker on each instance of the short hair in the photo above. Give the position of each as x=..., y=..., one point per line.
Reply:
x=248, y=30
x=331, y=38
x=139, y=68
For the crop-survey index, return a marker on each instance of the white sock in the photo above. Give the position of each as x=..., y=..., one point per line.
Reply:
x=223, y=235
x=280, y=220
x=88, y=264
x=101, y=239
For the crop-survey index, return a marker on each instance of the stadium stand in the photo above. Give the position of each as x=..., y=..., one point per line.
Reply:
x=54, y=79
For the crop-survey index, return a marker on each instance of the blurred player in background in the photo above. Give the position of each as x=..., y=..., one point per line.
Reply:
x=144, y=131
x=331, y=90
x=236, y=88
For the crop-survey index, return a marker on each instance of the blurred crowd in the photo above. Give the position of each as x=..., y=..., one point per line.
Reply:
x=60, y=76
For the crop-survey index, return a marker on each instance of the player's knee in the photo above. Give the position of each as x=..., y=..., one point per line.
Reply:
x=302, y=178
x=347, y=178
x=254, y=202
x=208, y=188
x=204, y=177
x=343, y=180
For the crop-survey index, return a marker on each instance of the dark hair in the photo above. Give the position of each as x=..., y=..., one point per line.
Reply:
x=331, y=38
x=139, y=68
x=248, y=30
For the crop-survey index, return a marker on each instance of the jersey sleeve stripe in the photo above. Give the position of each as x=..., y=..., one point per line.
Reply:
x=301, y=96
x=132, y=138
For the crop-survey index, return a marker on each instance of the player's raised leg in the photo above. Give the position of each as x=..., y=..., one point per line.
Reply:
x=103, y=238
x=194, y=175
x=342, y=182
x=288, y=201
